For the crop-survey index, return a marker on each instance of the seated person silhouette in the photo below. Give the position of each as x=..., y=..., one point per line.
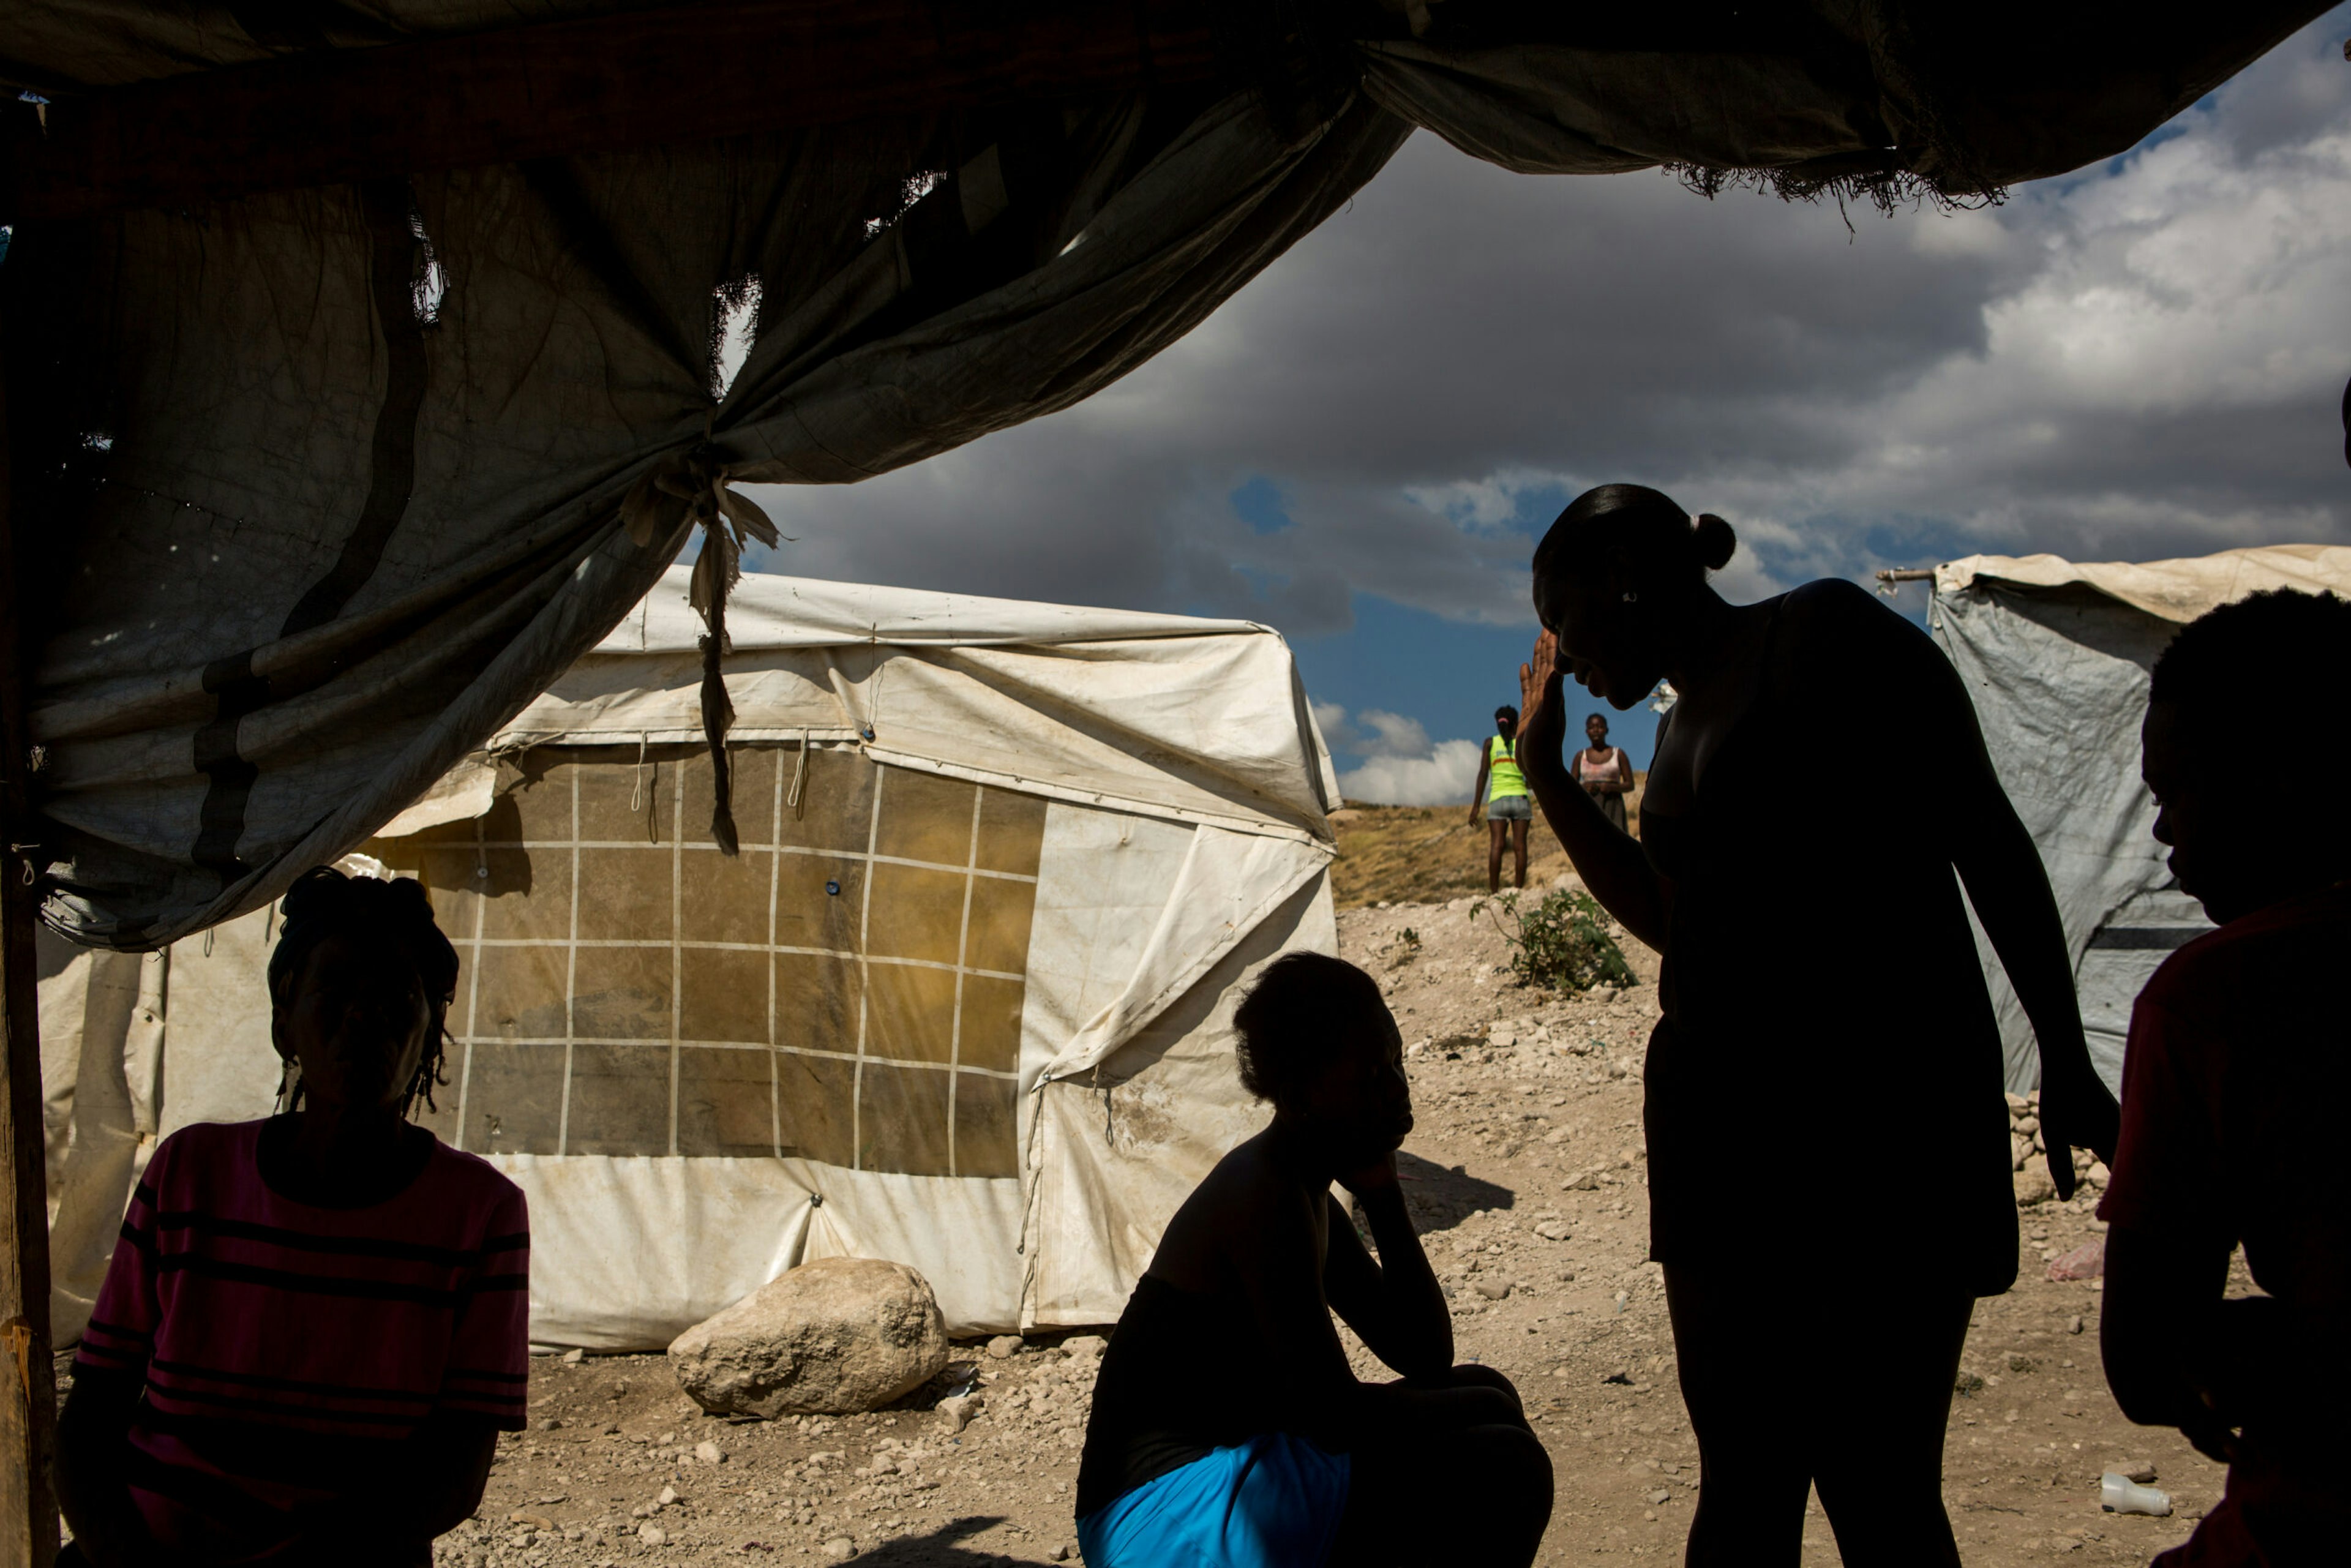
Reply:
x=1228, y=1430
x=315, y=1325
x=2235, y=1081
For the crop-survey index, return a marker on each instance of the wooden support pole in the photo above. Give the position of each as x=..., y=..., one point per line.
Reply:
x=29, y=1395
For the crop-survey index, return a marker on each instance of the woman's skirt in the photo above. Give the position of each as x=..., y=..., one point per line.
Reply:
x=1613, y=808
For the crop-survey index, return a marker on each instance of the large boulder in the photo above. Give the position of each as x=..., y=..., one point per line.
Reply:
x=832, y=1336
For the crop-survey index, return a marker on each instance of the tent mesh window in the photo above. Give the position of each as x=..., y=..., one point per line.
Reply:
x=847, y=989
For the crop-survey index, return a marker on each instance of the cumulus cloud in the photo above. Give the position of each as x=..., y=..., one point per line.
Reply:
x=2139, y=360
x=1399, y=764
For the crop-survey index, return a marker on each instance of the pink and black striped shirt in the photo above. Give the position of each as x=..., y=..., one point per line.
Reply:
x=282, y=1344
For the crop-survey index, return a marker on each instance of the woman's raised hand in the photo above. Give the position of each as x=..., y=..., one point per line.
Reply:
x=1543, y=727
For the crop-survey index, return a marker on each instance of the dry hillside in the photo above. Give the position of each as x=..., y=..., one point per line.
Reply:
x=1428, y=854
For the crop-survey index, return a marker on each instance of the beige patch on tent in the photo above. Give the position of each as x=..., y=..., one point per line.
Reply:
x=634, y=992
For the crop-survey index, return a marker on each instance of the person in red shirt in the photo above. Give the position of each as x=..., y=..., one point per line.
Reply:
x=2234, y=1082
x=315, y=1325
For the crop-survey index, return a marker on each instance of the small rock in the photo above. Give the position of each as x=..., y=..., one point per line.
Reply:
x=2077, y=1325
x=652, y=1534
x=840, y=1549
x=666, y=1496
x=709, y=1453
x=1494, y=1290
x=2139, y=1471
x=1059, y=1554
x=1552, y=1230
x=550, y=1423
x=1084, y=1345
x=959, y=1410
x=1660, y=1496
x=834, y=1335
x=2033, y=1187
x=1005, y=1346
x=574, y=1356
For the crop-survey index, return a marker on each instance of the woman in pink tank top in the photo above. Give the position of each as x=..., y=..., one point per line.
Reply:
x=1604, y=771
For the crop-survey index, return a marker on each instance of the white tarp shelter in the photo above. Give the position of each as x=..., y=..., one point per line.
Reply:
x=2056, y=655
x=963, y=1000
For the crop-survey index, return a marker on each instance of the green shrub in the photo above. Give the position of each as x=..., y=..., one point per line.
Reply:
x=1563, y=942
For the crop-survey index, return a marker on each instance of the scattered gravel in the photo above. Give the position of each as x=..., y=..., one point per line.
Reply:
x=1527, y=1178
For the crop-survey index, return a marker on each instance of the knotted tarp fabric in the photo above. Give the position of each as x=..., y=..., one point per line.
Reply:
x=322, y=461
x=341, y=471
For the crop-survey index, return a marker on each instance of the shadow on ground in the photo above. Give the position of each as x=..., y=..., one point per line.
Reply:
x=944, y=1548
x=1439, y=1198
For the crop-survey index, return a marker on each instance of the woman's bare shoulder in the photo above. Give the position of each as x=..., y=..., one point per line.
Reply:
x=1243, y=1207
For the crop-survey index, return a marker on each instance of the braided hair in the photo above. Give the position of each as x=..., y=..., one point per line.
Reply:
x=325, y=903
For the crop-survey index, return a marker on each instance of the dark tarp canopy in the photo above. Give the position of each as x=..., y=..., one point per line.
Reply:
x=338, y=335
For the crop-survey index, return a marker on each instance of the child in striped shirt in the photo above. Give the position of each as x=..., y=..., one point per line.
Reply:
x=315, y=1325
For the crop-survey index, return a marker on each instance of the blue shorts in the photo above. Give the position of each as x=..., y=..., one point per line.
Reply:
x=1272, y=1502
x=1510, y=809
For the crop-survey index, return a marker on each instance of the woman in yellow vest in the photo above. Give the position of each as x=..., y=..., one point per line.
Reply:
x=1508, y=807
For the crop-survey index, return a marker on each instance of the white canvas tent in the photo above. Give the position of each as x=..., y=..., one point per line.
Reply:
x=2056, y=655
x=962, y=1001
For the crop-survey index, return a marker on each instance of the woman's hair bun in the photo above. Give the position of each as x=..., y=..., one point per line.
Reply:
x=1715, y=542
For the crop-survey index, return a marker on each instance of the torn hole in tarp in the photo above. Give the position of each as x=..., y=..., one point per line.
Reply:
x=916, y=187
x=733, y=327
x=431, y=280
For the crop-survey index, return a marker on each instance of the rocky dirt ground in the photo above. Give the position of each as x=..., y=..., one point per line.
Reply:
x=1526, y=1174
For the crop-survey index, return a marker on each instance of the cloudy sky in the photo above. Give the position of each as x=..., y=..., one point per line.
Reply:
x=2138, y=360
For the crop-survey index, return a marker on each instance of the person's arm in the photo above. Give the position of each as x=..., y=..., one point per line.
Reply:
x=1477, y=794
x=1994, y=855
x=2001, y=869
x=93, y=1456
x=2162, y=1332
x=1395, y=1304
x=109, y=1380
x=1610, y=864
x=1266, y=1236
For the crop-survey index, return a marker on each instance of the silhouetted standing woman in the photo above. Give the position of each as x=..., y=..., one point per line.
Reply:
x=1834, y=1172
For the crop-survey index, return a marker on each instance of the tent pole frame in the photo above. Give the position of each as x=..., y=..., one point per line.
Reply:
x=29, y=1406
